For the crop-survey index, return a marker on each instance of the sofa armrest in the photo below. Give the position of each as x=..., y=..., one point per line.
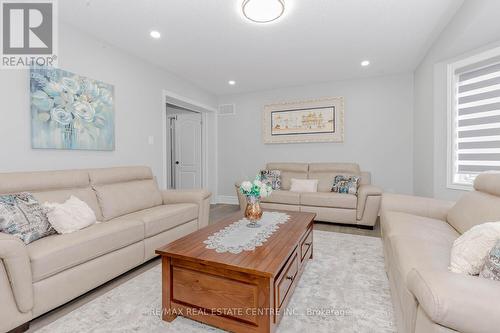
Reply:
x=14, y=256
x=421, y=206
x=199, y=197
x=241, y=198
x=462, y=302
x=368, y=204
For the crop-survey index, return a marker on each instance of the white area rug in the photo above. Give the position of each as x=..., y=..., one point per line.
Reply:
x=343, y=289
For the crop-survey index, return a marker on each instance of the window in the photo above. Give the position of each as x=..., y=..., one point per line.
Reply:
x=473, y=118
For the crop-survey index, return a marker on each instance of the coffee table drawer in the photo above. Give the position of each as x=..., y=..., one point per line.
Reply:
x=285, y=280
x=305, y=244
x=212, y=292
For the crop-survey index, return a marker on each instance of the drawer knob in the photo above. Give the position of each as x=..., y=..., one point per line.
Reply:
x=289, y=277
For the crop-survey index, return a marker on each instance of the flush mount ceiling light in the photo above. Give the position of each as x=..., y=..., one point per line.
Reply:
x=155, y=34
x=365, y=63
x=231, y=82
x=263, y=11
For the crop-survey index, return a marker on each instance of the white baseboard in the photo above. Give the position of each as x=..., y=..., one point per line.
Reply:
x=227, y=199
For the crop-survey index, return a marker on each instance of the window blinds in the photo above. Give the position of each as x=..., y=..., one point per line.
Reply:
x=477, y=118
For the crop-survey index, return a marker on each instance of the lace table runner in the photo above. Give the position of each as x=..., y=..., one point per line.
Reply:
x=237, y=237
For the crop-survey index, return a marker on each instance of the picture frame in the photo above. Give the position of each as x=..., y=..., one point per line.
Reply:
x=318, y=120
x=70, y=111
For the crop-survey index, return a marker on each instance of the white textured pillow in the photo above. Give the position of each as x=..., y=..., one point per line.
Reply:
x=470, y=250
x=70, y=216
x=304, y=185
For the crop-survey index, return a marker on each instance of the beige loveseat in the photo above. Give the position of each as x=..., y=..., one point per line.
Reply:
x=360, y=210
x=418, y=234
x=136, y=219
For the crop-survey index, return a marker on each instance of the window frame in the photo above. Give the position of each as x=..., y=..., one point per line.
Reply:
x=452, y=114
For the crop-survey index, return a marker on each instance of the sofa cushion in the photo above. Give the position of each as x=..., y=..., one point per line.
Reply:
x=491, y=268
x=488, y=182
x=334, y=200
x=326, y=172
x=21, y=215
x=411, y=252
x=304, y=185
x=70, y=216
x=53, y=186
x=119, y=175
x=54, y=254
x=417, y=242
x=474, y=208
x=42, y=181
x=404, y=224
x=470, y=250
x=164, y=217
x=289, y=171
x=86, y=194
x=283, y=197
x=123, y=198
x=345, y=184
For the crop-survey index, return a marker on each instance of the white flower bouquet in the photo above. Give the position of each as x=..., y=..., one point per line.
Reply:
x=256, y=189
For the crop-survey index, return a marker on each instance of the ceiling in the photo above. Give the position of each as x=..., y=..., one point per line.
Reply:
x=208, y=42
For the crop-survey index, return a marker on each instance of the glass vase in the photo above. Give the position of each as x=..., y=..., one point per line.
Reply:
x=253, y=212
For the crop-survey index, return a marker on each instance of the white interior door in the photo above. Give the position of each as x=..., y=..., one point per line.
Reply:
x=187, y=162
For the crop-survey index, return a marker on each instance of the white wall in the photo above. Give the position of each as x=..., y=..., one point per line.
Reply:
x=475, y=26
x=378, y=132
x=138, y=108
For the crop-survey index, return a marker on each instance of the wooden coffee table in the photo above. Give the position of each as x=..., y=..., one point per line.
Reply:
x=245, y=292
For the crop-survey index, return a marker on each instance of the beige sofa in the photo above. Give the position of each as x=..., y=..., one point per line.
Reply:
x=418, y=234
x=360, y=210
x=136, y=216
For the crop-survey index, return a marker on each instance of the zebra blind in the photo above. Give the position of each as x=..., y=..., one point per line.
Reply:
x=476, y=146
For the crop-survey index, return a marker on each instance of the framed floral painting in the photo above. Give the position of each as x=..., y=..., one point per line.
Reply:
x=69, y=111
x=320, y=120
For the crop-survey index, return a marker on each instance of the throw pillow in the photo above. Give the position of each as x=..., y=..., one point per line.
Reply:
x=70, y=216
x=304, y=185
x=470, y=250
x=346, y=184
x=491, y=268
x=21, y=215
x=272, y=178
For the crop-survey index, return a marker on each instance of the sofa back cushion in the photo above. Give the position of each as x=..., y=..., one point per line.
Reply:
x=86, y=194
x=326, y=172
x=52, y=186
x=479, y=206
x=289, y=171
x=125, y=190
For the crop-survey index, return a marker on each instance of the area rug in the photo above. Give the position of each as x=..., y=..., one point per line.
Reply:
x=343, y=289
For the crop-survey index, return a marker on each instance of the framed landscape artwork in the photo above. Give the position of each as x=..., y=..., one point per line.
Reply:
x=319, y=120
x=69, y=111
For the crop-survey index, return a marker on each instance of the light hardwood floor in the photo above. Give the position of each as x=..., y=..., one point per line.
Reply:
x=217, y=212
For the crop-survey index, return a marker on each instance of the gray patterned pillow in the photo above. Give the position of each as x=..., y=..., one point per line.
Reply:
x=272, y=178
x=22, y=216
x=345, y=184
x=491, y=268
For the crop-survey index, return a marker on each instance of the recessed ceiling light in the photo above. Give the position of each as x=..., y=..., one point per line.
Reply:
x=231, y=82
x=155, y=34
x=263, y=11
x=365, y=63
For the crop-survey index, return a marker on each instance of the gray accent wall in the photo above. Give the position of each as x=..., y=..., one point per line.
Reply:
x=378, y=132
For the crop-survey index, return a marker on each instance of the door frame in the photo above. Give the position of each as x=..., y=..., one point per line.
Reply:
x=186, y=103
